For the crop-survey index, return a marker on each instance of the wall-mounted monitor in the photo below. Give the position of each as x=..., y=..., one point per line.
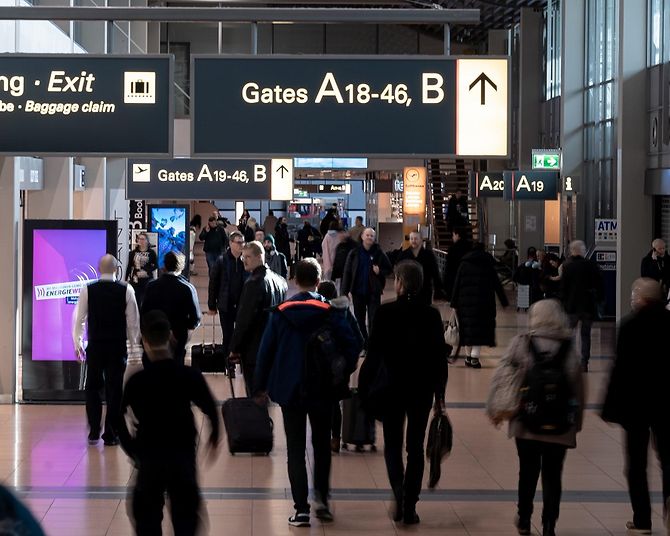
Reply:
x=59, y=258
x=170, y=223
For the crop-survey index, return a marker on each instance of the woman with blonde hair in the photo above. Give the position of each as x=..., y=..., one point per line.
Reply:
x=538, y=388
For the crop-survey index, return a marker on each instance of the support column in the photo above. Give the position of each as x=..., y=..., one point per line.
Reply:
x=573, y=53
x=9, y=246
x=530, y=224
x=94, y=198
x=55, y=202
x=633, y=206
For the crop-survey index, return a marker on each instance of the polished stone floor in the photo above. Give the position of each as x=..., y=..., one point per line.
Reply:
x=77, y=490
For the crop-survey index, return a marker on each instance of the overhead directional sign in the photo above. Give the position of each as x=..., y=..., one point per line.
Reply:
x=538, y=185
x=184, y=178
x=334, y=188
x=546, y=159
x=350, y=106
x=65, y=104
x=487, y=183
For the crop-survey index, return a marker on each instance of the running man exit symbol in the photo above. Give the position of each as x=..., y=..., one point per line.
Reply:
x=483, y=79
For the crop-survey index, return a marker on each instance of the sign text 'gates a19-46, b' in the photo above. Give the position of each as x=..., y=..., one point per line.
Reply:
x=350, y=106
x=69, y=104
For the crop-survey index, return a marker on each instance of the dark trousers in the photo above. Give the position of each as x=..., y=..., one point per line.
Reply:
x=537, y=457
x=105, y=367
x=405, y=481
x=637, y=447
x=177, y=477
x=586, y=322
x=295, y=425
x=248, y=370
x=362, y=305
x=227, y=326
x=211, y=257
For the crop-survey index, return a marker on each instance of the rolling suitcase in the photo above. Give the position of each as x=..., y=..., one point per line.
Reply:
x=358, y=429
x=208, y=357
x=522, y=297
x=249, y=427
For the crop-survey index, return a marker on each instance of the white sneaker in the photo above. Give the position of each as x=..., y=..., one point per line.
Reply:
x=630, y=527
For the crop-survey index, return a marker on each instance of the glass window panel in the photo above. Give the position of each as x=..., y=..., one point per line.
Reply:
x=654, y=31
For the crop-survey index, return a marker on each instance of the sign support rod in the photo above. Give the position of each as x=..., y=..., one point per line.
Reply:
x=447, y=40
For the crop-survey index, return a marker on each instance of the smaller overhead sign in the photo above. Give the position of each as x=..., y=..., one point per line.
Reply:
x=487, y=183
x=334, y=188
x=569, y=184
x=546, y=159
x=607, y=230
x=185, y=178
x=414, y=196
x=537, y=185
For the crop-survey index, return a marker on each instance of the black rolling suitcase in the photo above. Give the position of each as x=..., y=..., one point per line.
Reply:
x=208, y=357
x=358, y=428
x=249, y=427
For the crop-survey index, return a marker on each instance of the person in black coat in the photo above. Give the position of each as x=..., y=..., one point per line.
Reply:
x=638, y=397
x=414, y=388
x=215, y=241
x=341, y=253
x=283, y=240
x=460, y=247
x=364, y=277
x=142, y=263
x=262, y=290
x=581, y=292
x=474, y=300
x=656, y=264
x=309, y=241
x=432, y=280
x=177, y=298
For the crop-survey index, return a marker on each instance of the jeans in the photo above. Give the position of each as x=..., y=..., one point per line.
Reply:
x=586, y=320
x=211, y=257
x=178, y=478
x=363, y=304
x=105, y=367
x=537, y=457
x=295, y=425
x=637, y=447
x=405, y=482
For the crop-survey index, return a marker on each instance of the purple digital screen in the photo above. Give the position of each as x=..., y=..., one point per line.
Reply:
x=63, y=261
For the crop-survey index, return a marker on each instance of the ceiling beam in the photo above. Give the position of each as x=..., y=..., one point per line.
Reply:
x=239, y=14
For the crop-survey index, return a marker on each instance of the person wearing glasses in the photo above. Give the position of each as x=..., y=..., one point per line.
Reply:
x=226, y=280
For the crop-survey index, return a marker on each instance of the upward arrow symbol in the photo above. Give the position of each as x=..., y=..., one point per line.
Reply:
x=483, y=79
x=283, y=169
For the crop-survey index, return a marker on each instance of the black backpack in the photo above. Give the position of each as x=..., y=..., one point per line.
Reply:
x=548, y=403
x=325, y=374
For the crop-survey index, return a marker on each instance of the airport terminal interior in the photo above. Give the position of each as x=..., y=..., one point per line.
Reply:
x=527, y=129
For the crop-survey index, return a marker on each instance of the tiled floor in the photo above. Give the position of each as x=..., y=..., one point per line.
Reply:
x=77, y=490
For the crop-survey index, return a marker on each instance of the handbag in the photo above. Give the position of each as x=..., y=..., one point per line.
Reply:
x=451, y=332
x=440, y=442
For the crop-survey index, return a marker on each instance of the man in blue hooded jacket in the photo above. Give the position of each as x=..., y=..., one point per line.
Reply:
x=280, y=373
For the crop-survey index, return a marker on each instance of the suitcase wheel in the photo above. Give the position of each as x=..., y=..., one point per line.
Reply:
x=373, y=448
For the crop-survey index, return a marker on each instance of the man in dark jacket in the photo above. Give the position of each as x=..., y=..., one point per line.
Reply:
x=459, y=248
x=226, y=280
x=364, y=277
x=581, y=292
x=164, y=445
x=638, y=397
x=413, y=387
x=656, y=264
x=432, y=280
x=264, y=289
x=177, y=298
x=341, y=253
x=216, y=241
x=275, y=260
x=280, y=374
x=474, y=299
x=309, y=241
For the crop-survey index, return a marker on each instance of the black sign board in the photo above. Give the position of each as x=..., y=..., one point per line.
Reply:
x=334, y=188
x=487, y=183
x=185, y=178
x=68, y=104
x=538, y=185
x=349, y=106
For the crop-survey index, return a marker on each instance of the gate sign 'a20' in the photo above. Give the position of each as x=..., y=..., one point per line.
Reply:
x=350, y=106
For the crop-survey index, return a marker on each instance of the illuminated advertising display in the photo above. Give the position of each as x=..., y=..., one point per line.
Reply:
x=170, y=223
x=414, y=191
x=60, y=257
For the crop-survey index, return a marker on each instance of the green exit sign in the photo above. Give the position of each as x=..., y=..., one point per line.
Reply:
x=546, y=159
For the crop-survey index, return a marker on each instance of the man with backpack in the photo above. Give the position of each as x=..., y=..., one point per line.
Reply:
x=306, y=355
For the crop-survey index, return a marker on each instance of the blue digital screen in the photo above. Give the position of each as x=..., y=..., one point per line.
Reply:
x=331, y=163
x=171, y=225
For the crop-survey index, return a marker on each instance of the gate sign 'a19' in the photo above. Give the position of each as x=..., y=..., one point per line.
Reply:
x=350, y=106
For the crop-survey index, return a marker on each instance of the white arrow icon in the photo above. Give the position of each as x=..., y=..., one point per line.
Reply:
x=551, y=161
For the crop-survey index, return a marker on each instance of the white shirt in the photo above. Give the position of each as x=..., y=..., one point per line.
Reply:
x=81, y=316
